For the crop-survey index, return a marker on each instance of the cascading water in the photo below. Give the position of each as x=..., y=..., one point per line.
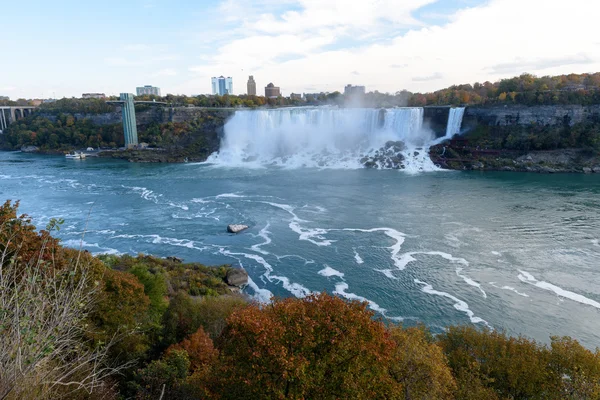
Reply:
x=454, y=121
x=327, y=138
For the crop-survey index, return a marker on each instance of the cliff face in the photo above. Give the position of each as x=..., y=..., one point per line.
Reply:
x=436, y=119
x=524, y=115
x=199, y=138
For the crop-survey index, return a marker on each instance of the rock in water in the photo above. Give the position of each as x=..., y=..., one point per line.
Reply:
x=237, y=277
x=236, y=228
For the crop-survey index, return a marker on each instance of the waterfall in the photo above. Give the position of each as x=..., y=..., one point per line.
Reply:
x=454, y=121
x=326, y=137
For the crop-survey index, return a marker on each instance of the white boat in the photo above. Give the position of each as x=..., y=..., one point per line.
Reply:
x=75, y=156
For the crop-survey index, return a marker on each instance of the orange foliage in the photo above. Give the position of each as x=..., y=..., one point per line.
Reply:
x=199, y=348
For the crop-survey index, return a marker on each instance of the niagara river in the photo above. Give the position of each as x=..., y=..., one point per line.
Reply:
x=508, y=251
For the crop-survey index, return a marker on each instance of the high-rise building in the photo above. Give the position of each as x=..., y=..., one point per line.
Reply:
x=147, y=89
x=272, y=91
x=222, y=85
x=229, y=85
x=4, y=98
x=251, y=86
x=350, y=90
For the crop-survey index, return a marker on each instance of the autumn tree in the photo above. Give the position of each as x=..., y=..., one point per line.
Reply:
x=420, y=365
x=312, y=348
x=122, y=310
x=46, y=295
x=512, y=367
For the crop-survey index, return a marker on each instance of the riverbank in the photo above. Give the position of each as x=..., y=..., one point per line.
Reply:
x=458, y=157
x=157, y=155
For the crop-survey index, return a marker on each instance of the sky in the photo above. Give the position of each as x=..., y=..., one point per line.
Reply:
x=63, y=48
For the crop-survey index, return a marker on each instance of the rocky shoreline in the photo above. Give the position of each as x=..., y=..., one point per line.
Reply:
x=446, y=155
x=538, y=161
x=154, y=156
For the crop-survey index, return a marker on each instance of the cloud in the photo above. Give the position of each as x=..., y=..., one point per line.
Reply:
x=522, y=65
x=7, y=88
x=355, y=73
x=165, y=72
x=139, y=61
x=352, y=15
x=433, y=77
x=398, y=65
x=136, y=47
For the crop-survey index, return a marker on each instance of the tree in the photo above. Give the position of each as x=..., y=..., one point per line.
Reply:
x=130, y=319
x=514, y=368
x=317, y=347
x=420, y=366
x=46, y=294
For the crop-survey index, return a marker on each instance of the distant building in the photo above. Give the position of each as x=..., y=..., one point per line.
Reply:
x=147, y=89
x=36, y=102
x=251, y=86
x=4, y=98
x=93, y=96
x=296, y=96
x=222, y=85
x=350, y=90
x=272, y=91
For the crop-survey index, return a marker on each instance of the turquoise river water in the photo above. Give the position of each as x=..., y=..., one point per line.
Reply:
x=519, y=252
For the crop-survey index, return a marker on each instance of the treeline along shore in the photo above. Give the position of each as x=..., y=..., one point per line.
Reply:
x=78, y=326
x=526, y=123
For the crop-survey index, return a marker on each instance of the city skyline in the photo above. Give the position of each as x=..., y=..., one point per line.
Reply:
x=303, y=45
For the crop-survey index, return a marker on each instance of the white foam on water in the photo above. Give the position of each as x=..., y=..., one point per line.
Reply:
x=182, y=206
x=530, y=279
x=261, y=295
x=79, y=244
x=264, y=233
x=314, y=209
x=470, y=281
x=295, y=288
x=388, y=273
x=496, y=253
x=201, y=201
x=230, y=195
x=328, y=271
x=314, y=236
x=509, y=288
x=357, y=257
x=401, y=261
x=283, y=257
x=340, y=290
x=596, y=242
x=459, y=304
x=144, y=193
x=399, y=237
x=157, y=239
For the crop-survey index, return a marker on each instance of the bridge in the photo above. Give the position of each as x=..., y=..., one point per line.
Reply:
x=14, y=114
x=127, y=105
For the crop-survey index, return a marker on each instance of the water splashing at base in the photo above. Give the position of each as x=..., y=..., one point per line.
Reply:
x=329, y=138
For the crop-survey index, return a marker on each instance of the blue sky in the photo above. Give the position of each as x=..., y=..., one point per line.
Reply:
x=64, y=47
